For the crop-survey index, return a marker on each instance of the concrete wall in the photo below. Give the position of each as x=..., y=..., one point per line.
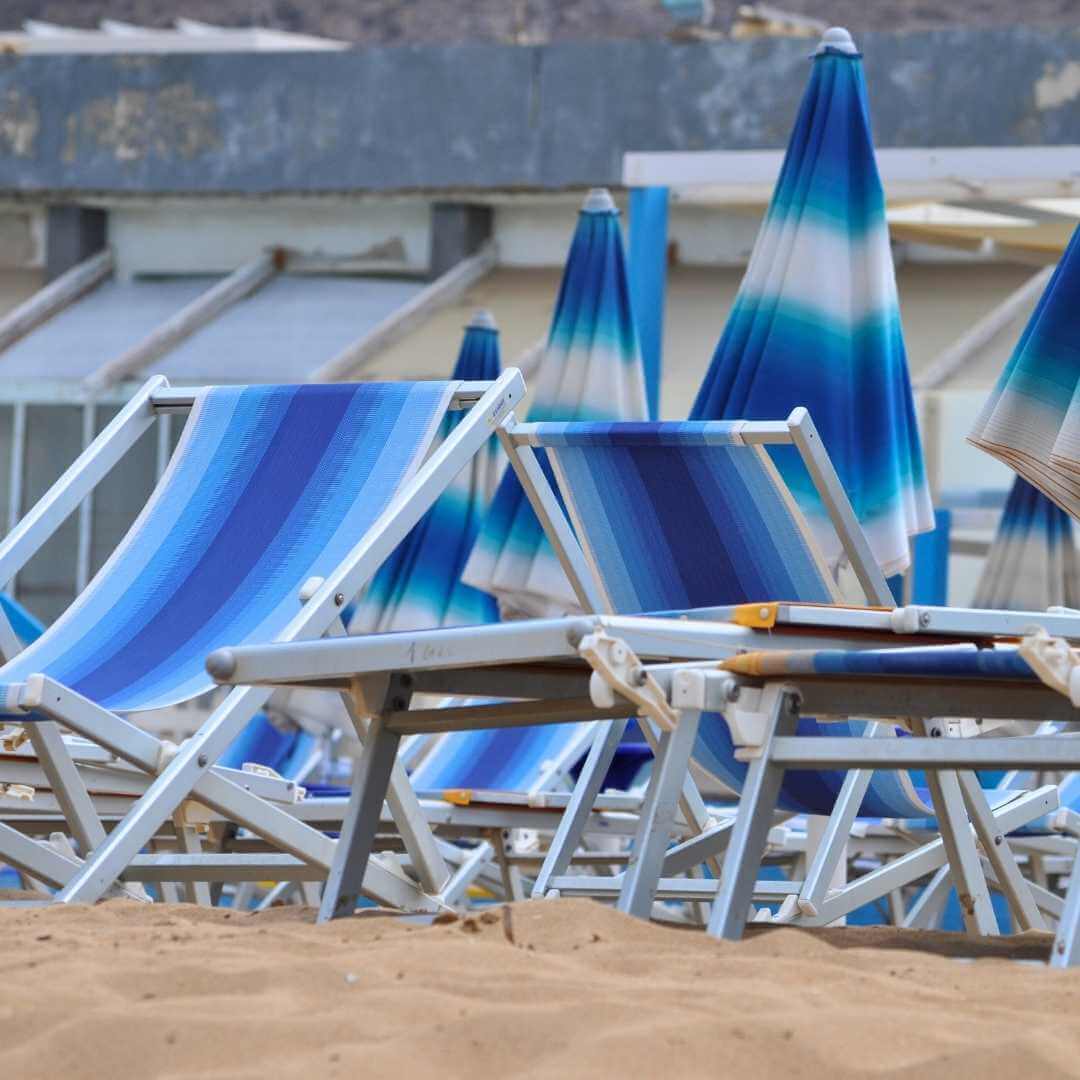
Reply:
x=22, y=238
x=208, y=236
x=480, y=116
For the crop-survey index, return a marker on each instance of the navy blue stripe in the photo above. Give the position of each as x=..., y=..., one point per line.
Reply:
x=281, y=478
x=702, y=555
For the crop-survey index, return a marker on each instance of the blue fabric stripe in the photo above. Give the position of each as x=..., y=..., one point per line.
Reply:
x=424, y=574
x=287, y=466
x=945, y=661
x=510, y=759
x=269, y=486
x=674, y=522
x=783, y=346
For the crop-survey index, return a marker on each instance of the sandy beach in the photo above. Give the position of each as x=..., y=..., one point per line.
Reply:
x=566, y=988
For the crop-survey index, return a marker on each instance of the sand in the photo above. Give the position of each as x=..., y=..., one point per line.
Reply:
x=545, y=989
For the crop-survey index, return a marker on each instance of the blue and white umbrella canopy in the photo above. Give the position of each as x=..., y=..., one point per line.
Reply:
x=1032, y=419
x=816, y=321
x=420, y=586
x=1032, y=563
x=590, y=370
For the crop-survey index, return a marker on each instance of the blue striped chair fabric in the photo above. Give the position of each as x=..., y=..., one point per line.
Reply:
x=269, y=485
x=682, y=515
x=504, y=759
x=963, y=661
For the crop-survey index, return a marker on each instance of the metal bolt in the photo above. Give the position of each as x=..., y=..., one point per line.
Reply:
x=924, y=619
x=935, y=732
x=339, y=598
x=639, y=677
x=998, y=839
x=1060, y=946
x=397, y=704
x=203, y=761
x=733, y=692
x=406, y=680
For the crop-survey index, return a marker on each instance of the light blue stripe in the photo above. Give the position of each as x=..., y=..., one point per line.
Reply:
x=127, y=630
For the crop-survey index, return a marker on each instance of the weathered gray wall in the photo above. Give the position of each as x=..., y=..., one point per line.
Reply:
x=483, y=116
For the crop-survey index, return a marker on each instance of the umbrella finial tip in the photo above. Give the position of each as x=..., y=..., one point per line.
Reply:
x=482, y=319
x=837, y=38
x=598, y=201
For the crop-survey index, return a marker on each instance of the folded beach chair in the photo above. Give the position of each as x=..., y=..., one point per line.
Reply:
x=931, y=683
x=278, y=505
x=670, y=517
x=687, y=515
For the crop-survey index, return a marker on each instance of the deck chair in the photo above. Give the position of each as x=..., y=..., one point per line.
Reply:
x=670, y=516
x=275, y=510
x=934, y=683
x=676, y=516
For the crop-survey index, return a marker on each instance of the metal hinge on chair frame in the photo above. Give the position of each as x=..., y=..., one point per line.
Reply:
x=617, y=670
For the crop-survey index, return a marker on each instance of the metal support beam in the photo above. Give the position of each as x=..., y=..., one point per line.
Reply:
x=54, y=297
x=444, y=290
x=94, y=463
x=370, y=782
x=242, y=282
x=960, y=851
x=571, y=826
x=977, y=337
x=657, y=816
x=750, y=833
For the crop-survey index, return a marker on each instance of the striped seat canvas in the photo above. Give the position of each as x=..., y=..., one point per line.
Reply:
x=506, y=760
x=681, y=515
x=269, y=485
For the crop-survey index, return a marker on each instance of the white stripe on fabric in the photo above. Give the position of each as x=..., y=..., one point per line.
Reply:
x=806, y=263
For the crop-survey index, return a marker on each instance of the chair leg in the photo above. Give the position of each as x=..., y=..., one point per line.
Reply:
x=41, y=861
x=658, y=816
x=360, y=823
x=690, y=801
x=471, y=865
x=67, y=784
x=925, y=859
x=750, y=834
x=822, y=869
x=172, y=785
x=1066, y=950
x=925, y=913
x=693, y=852
x=429, y=865
x=960, y=850
x=188, y=842
x=1000, y=856
x=571, y=828
x=191, y=774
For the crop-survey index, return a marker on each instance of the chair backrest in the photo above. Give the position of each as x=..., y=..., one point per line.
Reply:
x=680, y=515
x=269, y=485
x=673, y=516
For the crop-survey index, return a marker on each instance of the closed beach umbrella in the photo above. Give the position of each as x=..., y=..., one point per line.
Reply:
x=1032, y=562
x=1032, y=419
x=591, y=370
x=816, y=320
x=420, y=587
